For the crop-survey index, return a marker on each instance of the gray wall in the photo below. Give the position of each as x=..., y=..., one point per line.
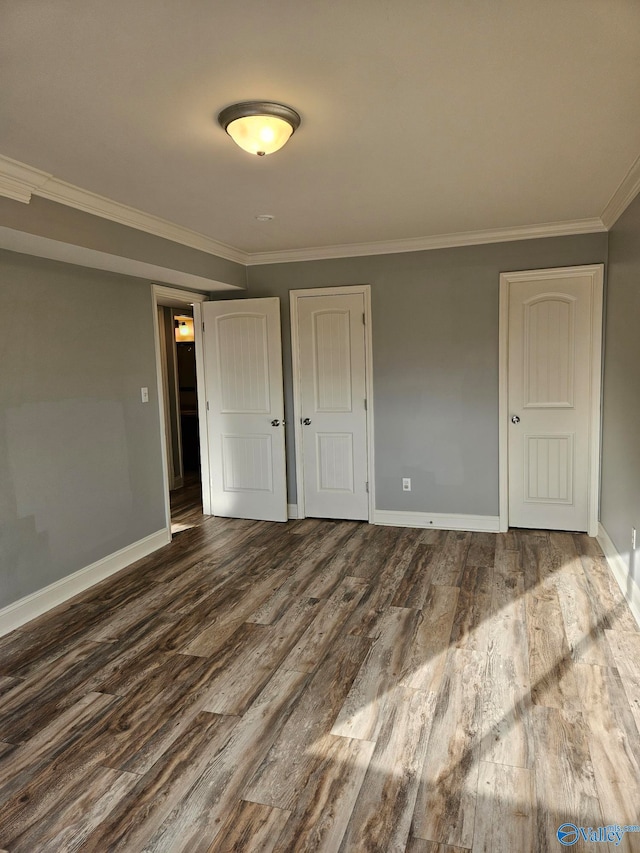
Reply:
x=67, y=225
x=80, y=455
x=620, y=502
x=435, y=354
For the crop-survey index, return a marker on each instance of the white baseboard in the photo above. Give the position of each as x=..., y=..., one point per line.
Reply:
x=37, y=603
x=292, y=510
x=438, y=521
x=620, y=570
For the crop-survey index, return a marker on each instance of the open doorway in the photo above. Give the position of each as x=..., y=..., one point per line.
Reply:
x=186, y=498
x=182, y=403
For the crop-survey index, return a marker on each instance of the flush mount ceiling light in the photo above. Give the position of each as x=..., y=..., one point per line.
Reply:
x=259, y=127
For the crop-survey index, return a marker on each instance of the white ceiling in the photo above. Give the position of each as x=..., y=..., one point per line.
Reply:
x=419, y=117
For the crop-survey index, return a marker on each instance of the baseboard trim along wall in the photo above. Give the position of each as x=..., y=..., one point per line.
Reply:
x=620, y=569
x=38, y=602
x=438, y=521
x=292, y=510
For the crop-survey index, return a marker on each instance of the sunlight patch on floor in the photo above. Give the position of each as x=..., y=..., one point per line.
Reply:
x=177, y=527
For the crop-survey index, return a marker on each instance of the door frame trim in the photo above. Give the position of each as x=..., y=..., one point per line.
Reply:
x=596, y=273
x=173, y=297
x=294, y=296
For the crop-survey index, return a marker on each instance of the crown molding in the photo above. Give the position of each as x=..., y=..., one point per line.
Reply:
x=72, y=196
x=441, y=241
x=623, y=196
x=19, y=181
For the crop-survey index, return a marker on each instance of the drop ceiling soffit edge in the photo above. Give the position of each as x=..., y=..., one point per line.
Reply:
x=34, y=182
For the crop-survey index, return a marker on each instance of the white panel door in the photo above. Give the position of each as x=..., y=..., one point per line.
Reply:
x=333, y=406
x=550, y=357
x=245, y=419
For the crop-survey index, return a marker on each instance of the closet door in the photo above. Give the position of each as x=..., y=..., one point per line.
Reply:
x=553, y=397
x=333, y=407
x=245, y=408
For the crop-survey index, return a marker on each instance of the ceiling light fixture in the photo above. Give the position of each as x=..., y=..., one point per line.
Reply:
x=259, y=127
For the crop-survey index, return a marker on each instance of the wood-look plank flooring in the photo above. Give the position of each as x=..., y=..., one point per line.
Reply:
x=326, y=686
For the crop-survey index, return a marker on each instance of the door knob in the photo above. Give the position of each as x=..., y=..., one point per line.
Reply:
x=515, y=419
x=306, y=421
x=275, y=422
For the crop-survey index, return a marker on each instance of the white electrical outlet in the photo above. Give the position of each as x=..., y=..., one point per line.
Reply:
x=406, y=484
x=144, y=395
x=633, y=539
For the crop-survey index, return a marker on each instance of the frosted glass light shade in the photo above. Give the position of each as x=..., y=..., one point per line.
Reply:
x=259, y=127
x=260, y=134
